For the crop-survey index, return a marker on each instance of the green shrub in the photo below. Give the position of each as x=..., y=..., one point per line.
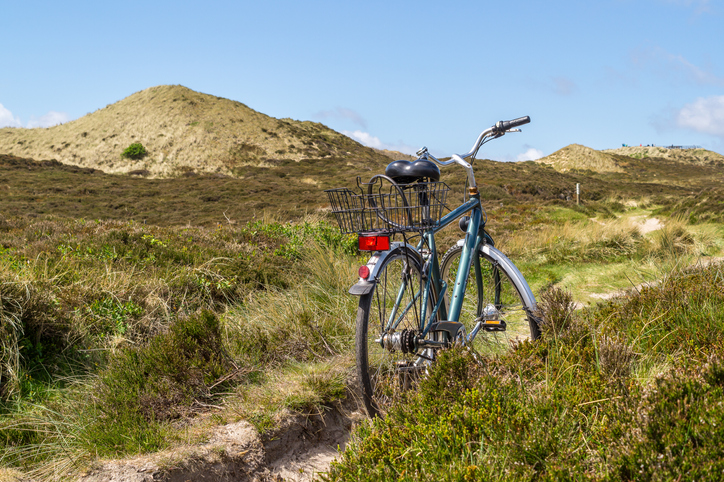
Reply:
x=598, y=401
x=134, y=151
x=171, y=377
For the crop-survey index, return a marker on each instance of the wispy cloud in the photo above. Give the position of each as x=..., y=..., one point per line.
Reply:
x=564, y=86
x=367, y=139
x=667, y=64
x=342, y=113
x=7, y=119
x=52, y=118
x=530, y=154
x=705, y=114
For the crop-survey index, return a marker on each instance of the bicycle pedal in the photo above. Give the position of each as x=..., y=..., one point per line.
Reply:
x=494, y=325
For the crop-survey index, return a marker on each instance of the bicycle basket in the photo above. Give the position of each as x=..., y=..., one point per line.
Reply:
x=383, y=206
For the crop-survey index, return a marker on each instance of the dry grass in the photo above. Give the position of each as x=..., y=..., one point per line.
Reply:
x=692, y=156
x=588, y=239
x=576, y=156
x=183, y=131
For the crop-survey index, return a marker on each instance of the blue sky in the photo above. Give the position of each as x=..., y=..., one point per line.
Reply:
x=395, y=74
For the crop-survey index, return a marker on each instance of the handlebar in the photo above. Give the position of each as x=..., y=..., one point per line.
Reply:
x=503, y=126
x=498, y=130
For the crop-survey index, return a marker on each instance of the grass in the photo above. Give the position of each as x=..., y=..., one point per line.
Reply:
x=598, y=256
x=626, y=391
x=136, y=311
x=116, y=332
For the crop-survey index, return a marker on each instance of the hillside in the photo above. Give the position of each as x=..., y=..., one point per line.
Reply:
x=692, y=156
x=576, y=156
x=183, y=131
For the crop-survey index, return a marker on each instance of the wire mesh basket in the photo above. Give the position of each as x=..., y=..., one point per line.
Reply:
x=384, y=206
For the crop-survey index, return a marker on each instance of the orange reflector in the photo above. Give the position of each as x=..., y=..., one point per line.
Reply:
x=364, y=272
x=374, y=243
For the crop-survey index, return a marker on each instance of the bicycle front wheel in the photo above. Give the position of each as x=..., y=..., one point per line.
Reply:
x=497, y=299
x=388, y=319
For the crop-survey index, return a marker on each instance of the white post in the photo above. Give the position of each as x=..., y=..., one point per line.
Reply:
x=578, y=193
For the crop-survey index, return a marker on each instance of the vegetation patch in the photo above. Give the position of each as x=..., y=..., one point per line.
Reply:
x=629, y=391
x=134, y=151
x=176, y=375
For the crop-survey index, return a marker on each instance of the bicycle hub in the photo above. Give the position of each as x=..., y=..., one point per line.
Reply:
x=404, y=341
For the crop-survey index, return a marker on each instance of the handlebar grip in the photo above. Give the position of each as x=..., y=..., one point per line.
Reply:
x=503, y=126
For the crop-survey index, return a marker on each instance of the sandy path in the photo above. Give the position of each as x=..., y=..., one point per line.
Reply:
x=299, y=448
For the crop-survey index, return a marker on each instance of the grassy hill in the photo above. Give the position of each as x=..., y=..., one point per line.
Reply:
x=581, y=157
x=183, y=131
x=688, y=156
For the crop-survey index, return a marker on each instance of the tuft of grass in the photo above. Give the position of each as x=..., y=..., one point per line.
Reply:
x=175, y=375
x=556, y=310
x=119, y=332
x=301, y=388
x=310, y=321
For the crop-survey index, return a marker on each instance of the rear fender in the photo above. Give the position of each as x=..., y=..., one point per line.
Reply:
x=375, y=263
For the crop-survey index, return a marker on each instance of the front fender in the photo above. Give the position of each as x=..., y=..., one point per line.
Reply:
x=375, y=263
x=515, y=275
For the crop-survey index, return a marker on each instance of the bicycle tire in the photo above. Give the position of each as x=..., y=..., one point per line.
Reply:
x=504, y=289
x=384, y=374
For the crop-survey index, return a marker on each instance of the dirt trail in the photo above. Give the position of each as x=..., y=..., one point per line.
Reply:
x=299, y=448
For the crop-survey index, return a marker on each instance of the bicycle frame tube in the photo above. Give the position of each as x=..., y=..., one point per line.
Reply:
x=457, y=212
x=471, y=241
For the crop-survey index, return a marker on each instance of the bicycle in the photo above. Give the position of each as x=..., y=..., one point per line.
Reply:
x=408, y=310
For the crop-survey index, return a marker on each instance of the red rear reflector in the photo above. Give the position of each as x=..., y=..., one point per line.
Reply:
x=364, y=272
x=374, y=243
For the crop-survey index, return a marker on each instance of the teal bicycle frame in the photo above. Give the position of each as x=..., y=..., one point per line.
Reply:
x=473, y=239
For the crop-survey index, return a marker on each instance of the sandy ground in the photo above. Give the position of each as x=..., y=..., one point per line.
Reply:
x=298, y=449
x=649, y=225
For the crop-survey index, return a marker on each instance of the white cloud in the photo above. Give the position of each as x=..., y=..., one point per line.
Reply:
x=7, y=119
x=52, y=118
x=529, y=155
x=369, y=140
x=705, y=114
x=342, y=113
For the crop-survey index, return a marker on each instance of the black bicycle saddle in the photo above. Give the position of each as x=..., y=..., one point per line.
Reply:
x=405, y=172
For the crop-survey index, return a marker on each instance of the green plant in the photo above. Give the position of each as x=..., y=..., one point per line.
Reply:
x=569, y=405
x=134, y=151
x=143, y=386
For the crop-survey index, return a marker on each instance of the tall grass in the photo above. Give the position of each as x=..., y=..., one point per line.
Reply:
x=116, y=331
x=611, y=240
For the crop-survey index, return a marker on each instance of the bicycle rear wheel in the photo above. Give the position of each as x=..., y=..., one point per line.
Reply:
x=388, y=318
x=500, y=299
